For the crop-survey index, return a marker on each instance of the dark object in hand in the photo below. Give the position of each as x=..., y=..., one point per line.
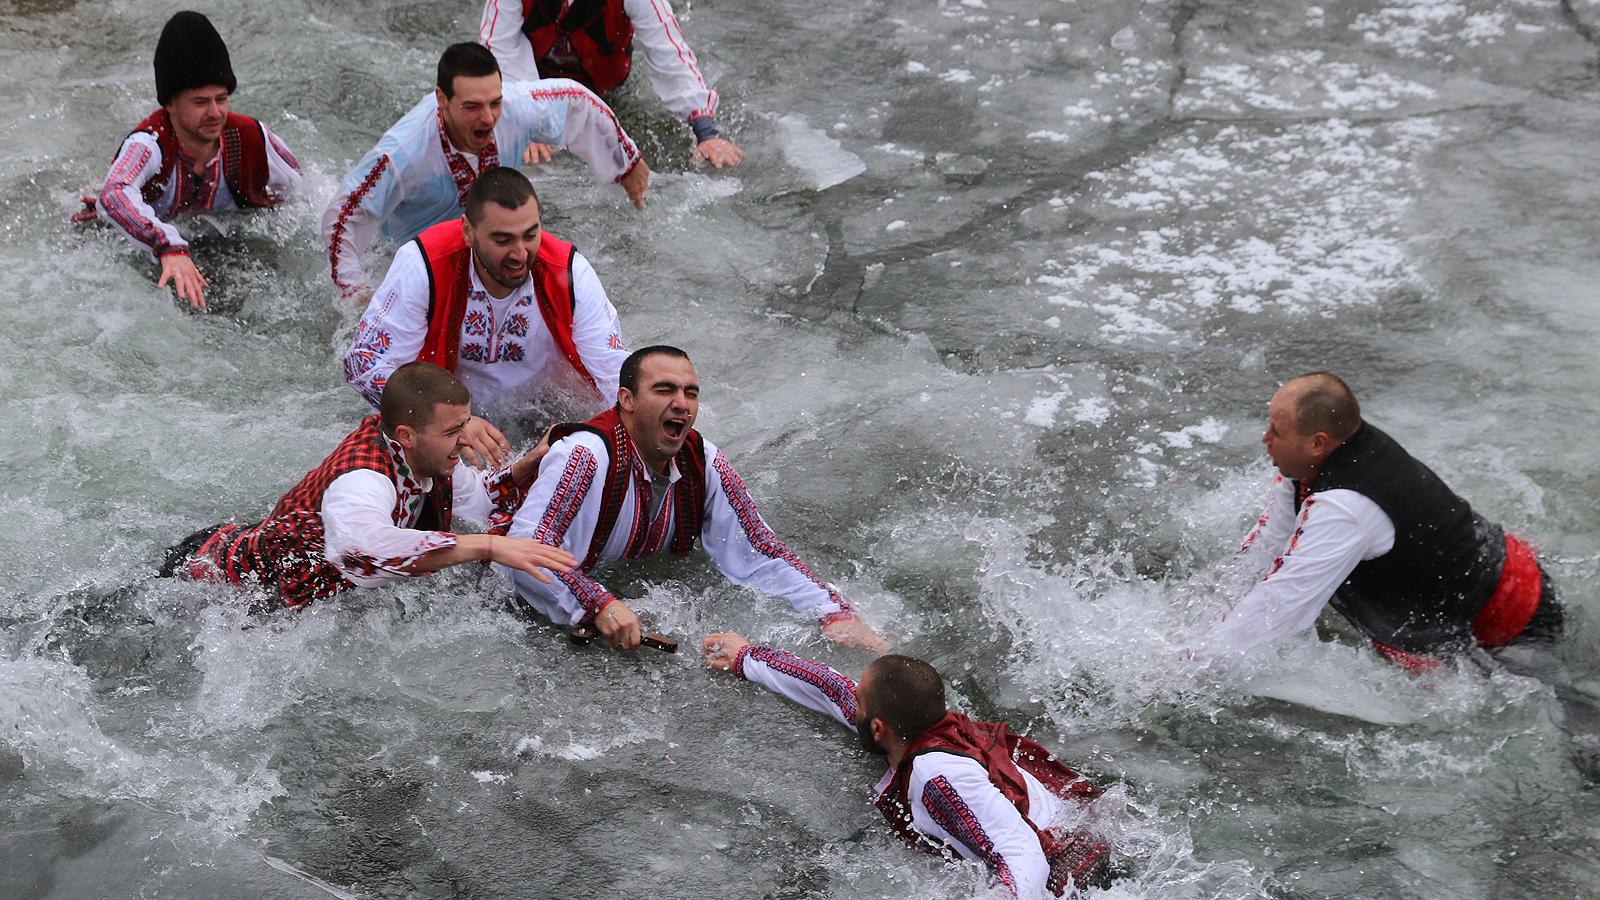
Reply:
x=657, y=641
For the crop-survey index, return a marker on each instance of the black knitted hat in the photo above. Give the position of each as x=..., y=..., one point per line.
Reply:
x=191, y=54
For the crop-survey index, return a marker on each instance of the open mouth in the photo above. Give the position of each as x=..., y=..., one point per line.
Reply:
x=674, y=428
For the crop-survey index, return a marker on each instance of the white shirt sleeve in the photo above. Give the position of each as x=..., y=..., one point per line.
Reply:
x=597, y=329
x=810, y=684
x=362, y=540
x=393, y=328
x=953, y=802
x=1335, y=531
x=588, y=127
x=739, y=541
x=283, y=170
x=500, y=30
x=562, y=510
x=1271, y=532
x=674, y=71
x=122, y=201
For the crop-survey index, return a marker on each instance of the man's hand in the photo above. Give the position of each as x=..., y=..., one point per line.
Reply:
x=721, y=650
x=719, y=152
x=635, y=183
x=618, y=625
x=526, y=469
x=536, y=153
x=355, y=300
x=528, y=556
x=485, y=443
x=855, y=633
x=186, y=279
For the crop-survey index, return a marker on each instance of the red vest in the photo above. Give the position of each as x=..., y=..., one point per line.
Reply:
x=244, y=158
x=287, y=549
x=449, y=260
x=689, y=494
x=599, y=31
x=1002, y=754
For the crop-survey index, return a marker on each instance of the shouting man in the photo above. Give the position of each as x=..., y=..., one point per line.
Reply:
x=638, y=479
x=420, y=171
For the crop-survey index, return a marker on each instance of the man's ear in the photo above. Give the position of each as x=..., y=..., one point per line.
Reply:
x=625, y=399
x=405, y=436
x=439, y=95
x=879, y=728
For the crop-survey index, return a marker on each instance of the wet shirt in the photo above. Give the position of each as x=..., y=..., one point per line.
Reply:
x=507, y=354
x=1304, y=556
x=953, y=802
x=139, y=160
x=416, y=178
x=563, y=510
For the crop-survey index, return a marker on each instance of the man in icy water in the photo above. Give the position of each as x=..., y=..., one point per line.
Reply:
x=592, y=41
x=420, y=170
x=1355, y=520
x=643, y=467
x=192, y=154
x=509, y=308
x=377, y=509
x=953, y=784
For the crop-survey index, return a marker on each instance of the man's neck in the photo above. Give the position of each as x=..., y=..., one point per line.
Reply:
x=197, y=149
x=493, y=288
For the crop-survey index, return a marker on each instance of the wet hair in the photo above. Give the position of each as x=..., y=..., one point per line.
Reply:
x=414, y=391
x=629, y=376
x=465, y=60
x=1325, y=403
x=905, y=692
x=502, y=186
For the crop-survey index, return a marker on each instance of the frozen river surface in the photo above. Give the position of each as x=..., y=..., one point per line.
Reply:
x=988, y=320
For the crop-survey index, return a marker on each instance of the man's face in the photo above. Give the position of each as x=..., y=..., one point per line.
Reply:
x=864, y=722
x=658, y=417
x=1292, y=452
x=198, y=114
x=472, y=111
x=504, y=245
x=435, y=448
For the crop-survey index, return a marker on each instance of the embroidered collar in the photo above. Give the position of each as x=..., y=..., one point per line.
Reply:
x=460, y=171
x=409, y=489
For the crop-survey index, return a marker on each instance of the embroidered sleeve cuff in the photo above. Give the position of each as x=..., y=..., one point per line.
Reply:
x=171, y=250
x=592, y=612
x=637, y=158
x=744, y=654
x=505, y=497
x=843, y=614
x=705, y=128
x=359, y=564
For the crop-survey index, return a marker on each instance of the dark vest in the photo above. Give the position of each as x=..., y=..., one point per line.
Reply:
x=1422, y=595
x=599, y=31
x=1078, y=856
x=689, y=494
x=449, y=261
x=287, y=549
x=244, y=159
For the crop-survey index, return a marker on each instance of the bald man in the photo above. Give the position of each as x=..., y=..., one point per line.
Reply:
x=1356, y=521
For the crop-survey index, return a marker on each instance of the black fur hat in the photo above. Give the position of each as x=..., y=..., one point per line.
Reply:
x=191, y=54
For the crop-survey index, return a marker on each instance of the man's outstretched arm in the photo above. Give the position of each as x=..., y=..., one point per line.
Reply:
x=810, y=684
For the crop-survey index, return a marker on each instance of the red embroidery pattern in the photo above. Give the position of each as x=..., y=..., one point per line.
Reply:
x=841, y=691
x=764, y=541
x=340, y=225
x=505, y=497
x=1305, y=510
x=460, y=171
x=124, y=213
x=951, y=813
x=576, y=479
x=628, y=148
x=361, y=564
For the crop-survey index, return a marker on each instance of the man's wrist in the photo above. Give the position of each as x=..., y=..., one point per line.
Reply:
x=705, y=128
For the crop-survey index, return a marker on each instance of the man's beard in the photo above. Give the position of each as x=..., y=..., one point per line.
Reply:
x=507, y=283
x=868, y=743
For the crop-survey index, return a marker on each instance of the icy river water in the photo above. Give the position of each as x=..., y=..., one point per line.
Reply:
x=988, y=320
